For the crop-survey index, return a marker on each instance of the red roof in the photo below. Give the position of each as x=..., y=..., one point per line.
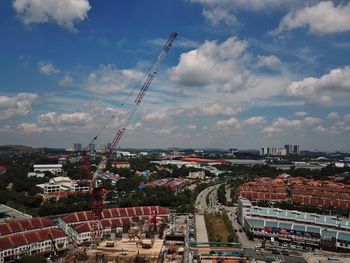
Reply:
x=203, y=160
x=107, y=223
x=28, y=238
x=114, y=212
x=2, y=168
x=25, y=225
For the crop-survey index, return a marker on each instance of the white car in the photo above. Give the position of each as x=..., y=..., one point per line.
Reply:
x=257, y=246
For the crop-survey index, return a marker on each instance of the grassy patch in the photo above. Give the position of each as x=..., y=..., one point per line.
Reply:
x=219, y=228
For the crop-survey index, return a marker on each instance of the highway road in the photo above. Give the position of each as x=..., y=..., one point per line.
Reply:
x=201, y=202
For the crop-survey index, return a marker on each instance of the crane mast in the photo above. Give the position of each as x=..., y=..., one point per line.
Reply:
x=97, y=191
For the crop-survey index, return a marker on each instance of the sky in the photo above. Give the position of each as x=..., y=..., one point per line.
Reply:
x=241, y=73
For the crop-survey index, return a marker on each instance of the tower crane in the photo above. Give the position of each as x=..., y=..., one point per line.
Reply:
x=97, y=191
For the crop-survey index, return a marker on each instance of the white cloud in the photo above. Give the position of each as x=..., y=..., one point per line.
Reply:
x=333, y=115
x=322, y=18
x=33, y=128
x=300, y=113
x=47, y=68
x=268, y=61
x=109, y=79
x=312, y=121
x=259, y=120
x=65, y=119
x=281, y=124
x=63, y=12
x=231, y=123
x=225, y=11
x=191, y=127
x=213, y=63
x=271, y=130
x=19, y=105
x=165, y=131
x=155, y=116
x=322, y=90
x=67, y=80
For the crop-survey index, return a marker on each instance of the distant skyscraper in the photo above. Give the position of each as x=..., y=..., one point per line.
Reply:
x=296, y=149
x=92, y=147
x=77, y=147
x=289, y=148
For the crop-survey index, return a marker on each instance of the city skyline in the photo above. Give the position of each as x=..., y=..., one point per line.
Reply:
x=241, y=73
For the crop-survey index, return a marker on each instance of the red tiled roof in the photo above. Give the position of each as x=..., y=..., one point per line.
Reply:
x=28, y=238
x=24, y=225
x=114, y=212
x=107, y=223
x=194, y=159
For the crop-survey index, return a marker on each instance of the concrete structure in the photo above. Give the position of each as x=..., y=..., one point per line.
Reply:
x=10, y=214
x=196, y=175
x=305, y=229
x=65, y=184
x=79, y=225
x=53, y=168
x=177, y=163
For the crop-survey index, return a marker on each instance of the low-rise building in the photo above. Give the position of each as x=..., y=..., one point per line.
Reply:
x=120, y=165
x=53, y=168
x=41, y=241
x=35, y=174
x=196, y=175
x=304, y=229
x=65, y=184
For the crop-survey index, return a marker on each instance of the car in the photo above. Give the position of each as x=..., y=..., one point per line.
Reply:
x=285, y=252
x=240, y=230
x=284, y=245
x=257, y=246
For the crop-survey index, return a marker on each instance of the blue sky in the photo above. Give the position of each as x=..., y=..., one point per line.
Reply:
x=242, y=73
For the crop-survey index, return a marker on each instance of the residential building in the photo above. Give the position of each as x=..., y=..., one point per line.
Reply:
x=53, y=168
x=41, y=241
x=273, y=151
x=120, y=165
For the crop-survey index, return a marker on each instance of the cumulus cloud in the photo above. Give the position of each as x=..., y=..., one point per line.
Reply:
x=65, y=119
x=231, y=123
x=322, y=18
x=191, y=127
x=67, y=80
x=33, y=128
x=215, y=64
x=268, y=61
x=281, y=124
x=336, y=83
x=300, y=113
x=18, y=105
x=333, y=115
x=109, y=79
x=47, y=68
x=165, y=131
x=225, y=11
x=63, y=12
x=155, y=116
x=259, y=120
x=312, y=121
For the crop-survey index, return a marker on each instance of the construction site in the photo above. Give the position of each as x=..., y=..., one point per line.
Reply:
x=153, y=240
